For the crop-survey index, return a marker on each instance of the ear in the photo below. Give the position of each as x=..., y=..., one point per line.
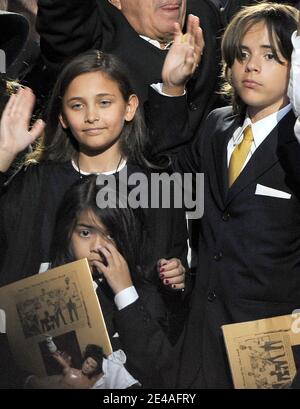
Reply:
x=116, y=3
x=132, y=106
x=63, y=121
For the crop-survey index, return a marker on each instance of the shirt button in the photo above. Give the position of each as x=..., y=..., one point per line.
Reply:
x=211, y=296
x=225, y=217
x=193, y=107
x=218, y=256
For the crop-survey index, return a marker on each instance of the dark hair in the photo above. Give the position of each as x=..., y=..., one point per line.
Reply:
x=281, y=21
x=59, y=144
x=95, y=352
x=124, y=225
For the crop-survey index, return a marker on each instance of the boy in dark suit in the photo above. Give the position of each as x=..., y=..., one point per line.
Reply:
x=249, y=244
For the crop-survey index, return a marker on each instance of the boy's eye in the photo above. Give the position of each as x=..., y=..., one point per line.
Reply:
x=244, y=55
x=270, y=56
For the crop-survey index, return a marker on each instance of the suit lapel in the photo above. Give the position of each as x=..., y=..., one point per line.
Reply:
x=218, y=174
x=263, y=158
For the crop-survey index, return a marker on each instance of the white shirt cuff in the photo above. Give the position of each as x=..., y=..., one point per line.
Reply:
x=126, y=297
x=158, y=88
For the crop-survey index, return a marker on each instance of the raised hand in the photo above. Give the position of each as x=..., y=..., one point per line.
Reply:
x=15, y=135
x=172, y=273
x=183, y=57
x=116, y=271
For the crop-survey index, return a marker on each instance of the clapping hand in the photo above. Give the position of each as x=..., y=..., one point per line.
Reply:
x=183, y=57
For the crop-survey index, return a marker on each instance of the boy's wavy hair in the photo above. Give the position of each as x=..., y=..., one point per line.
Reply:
x=58, y=144
x=281, y=21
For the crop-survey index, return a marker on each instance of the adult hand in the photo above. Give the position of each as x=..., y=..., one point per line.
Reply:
x=183, y=57
x=172, y=273
x=15, y=135
x=116, y=271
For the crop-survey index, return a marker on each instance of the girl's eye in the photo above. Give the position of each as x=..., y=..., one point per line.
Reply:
x=105, y=103
x=77, y=107
x=84, y=233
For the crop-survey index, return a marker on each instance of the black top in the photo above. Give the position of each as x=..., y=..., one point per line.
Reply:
x=28, y=209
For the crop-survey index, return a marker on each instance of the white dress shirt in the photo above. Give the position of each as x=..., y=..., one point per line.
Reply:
x=260, y=130
x=156, y=43
x=294, y=84
x=115, y=375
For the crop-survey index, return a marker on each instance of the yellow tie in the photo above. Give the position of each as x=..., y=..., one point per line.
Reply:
x=239, y=155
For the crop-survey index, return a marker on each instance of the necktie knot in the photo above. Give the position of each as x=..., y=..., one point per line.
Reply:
x=248, y=135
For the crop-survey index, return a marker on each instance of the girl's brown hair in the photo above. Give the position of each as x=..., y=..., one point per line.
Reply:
x=58, y=144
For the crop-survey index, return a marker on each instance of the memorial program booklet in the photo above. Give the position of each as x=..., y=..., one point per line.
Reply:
x=262, y=353
x=58, y=308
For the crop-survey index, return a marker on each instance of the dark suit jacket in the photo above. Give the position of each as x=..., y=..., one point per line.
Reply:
x=68, y=28
x=249, y=244
x=145, y=333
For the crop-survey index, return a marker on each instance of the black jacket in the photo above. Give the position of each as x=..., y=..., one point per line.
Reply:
x=249, y=244
x=148, y=327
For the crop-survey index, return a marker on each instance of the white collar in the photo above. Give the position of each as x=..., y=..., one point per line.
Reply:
x=262, y=128
x=156, y=43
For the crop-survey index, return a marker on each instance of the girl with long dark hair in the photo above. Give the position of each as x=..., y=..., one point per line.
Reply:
x=112, y=240
x=93, y=126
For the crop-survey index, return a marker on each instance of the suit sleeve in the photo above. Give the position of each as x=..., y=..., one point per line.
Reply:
x=67, y=28
x=170, y=132
x=143, y=330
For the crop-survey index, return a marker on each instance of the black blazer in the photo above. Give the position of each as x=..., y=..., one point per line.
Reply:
x=68, y=28
x=249, y=244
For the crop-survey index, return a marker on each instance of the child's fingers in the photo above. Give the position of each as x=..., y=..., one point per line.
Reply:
x=177, y=286
x=179, y=279
x=176, y=272
x=8, y=107
x=105, y=251
x=37, y=129
x=101, y=267
x=24, y=103
x=162, y=262
x=170, y=265
x=116, y=256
